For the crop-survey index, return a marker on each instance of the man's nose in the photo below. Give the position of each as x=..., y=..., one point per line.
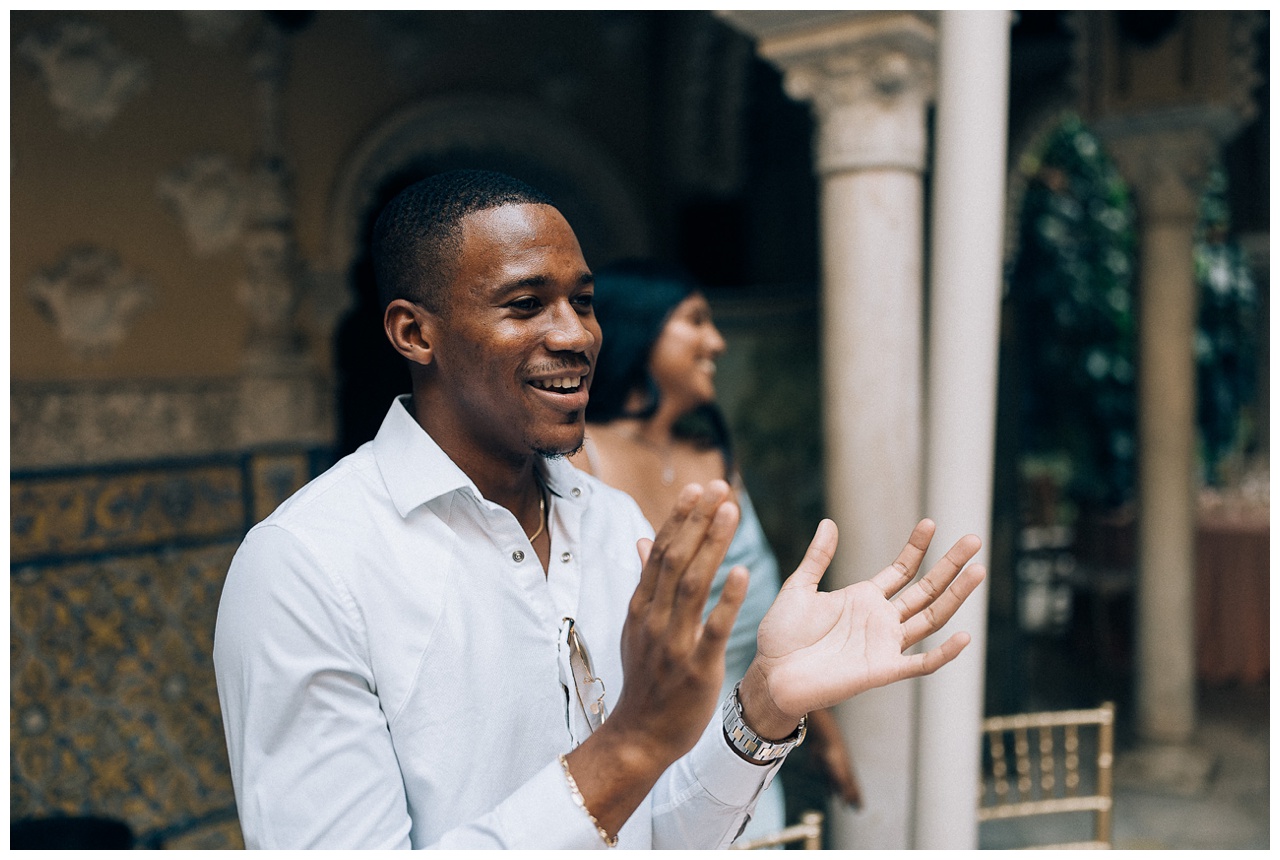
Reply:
x=569, y=331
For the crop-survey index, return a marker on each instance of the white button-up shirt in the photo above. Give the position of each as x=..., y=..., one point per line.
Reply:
x=390, y=671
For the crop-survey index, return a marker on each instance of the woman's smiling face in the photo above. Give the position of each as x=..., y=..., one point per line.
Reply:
x=683, y=360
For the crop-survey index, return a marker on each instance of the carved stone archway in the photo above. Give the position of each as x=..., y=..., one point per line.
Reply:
x=447, y=132
x=1046, y=118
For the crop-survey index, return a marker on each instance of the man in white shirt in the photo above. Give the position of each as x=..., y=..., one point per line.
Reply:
x=401, y=648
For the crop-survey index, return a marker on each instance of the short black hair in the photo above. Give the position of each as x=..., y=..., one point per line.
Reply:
x=417, y=237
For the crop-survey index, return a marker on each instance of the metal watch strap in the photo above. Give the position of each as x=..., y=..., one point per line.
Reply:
x=750, y=744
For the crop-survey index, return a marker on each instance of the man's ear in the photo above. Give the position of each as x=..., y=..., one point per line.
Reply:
x=411, y=328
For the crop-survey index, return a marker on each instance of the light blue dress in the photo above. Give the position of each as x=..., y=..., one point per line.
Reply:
x=750, y=548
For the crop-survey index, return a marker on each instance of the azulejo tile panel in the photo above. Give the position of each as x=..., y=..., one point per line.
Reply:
x=115, y=575
x=275, y=477
x=113, y=705
x=59, y=516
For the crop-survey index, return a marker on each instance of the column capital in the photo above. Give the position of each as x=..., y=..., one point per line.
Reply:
x=868, y=75
x=1167, y=163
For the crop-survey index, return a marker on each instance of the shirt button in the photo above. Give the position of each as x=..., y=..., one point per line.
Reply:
x=566, y=557
x=575, y=492
x=517, y=556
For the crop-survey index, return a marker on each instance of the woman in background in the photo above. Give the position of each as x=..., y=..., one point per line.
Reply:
x=653, y=426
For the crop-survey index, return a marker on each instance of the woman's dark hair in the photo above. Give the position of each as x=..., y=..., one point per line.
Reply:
x=633, y=301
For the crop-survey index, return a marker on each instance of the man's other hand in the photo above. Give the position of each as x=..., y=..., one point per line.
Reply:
x=816, y=648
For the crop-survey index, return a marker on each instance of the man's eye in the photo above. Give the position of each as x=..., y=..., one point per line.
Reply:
x=528, y=303
x=586, y=300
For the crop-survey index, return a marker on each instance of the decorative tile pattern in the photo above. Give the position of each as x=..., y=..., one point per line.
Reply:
x=113, y=707
x=95, y=512
x=275, y=478
x=115, y=577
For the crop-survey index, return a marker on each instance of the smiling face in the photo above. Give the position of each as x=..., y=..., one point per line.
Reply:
x=683, y=360
x=513, y=347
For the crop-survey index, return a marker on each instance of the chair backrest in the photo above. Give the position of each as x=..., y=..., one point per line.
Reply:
x=808, y=833
x=1054, y=768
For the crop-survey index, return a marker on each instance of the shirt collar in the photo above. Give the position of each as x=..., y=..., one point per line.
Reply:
x=564, y=480
x=416, y=470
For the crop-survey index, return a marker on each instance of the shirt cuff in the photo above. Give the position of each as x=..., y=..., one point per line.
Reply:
x=542, y=814
x=724, y=774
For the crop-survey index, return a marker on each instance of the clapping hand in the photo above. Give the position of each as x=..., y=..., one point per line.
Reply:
x=817, y=648
x=813, y=648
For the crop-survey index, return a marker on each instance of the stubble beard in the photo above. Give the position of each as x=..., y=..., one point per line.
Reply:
x=550, y=454
x=556, y=455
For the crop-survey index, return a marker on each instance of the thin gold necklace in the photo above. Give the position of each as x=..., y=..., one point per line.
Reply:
x=542, y=514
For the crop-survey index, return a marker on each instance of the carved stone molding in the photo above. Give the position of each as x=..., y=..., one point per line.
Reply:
x=271, y=289
x=89, y=423
x=1207, y=62
x=1246, y=26
x=869, y=77
x=285, y=408
x=87, y=76
x=58, y=424
x=211, y=198
x=90, y=298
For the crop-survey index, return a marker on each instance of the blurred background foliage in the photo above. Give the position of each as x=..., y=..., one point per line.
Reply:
x=1226, y=340
x=1071, y=290
x=1074, y=337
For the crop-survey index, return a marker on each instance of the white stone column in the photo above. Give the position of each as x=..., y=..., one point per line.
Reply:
x=1164, y=108
x=963, y=336
x=869, y=77
x=1166, y=165
x=872, y=421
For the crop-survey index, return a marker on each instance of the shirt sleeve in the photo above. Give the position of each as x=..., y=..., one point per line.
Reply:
x=311, y=757
x=312, y=760
x=706, y=798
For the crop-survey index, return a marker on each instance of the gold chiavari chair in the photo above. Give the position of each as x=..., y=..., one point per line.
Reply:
x=1050, y=774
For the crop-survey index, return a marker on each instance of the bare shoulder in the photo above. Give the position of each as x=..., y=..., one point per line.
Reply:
x=602, y=448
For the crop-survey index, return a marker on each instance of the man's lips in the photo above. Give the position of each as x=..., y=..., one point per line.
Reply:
x=560, y=384
x=567, y=389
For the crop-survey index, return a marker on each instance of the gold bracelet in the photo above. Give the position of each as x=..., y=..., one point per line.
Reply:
x=610, y=841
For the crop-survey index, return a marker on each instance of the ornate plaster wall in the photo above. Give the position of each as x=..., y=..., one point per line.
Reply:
x=187, y=190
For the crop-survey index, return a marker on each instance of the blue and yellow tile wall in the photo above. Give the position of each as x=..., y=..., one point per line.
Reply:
x=115, y=576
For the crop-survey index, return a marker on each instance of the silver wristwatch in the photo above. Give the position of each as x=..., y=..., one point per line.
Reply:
x=749, y=744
